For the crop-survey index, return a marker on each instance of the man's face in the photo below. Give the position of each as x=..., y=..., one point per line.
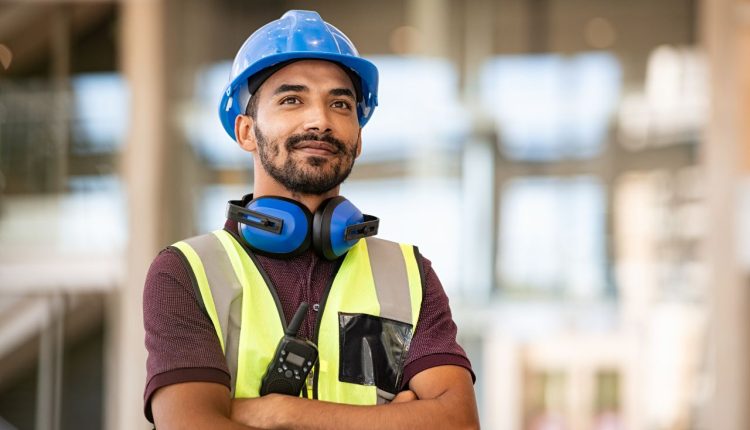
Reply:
x=306, y=126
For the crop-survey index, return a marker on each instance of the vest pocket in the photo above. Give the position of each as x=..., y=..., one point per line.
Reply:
x=372, y=350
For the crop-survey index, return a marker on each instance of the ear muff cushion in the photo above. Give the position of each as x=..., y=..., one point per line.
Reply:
x=329, y=227
x=321, y=227
x=294, y=237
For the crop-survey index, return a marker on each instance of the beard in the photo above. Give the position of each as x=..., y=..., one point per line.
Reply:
x=312, y=175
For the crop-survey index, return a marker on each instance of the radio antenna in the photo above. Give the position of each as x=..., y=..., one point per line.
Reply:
x=297, y=319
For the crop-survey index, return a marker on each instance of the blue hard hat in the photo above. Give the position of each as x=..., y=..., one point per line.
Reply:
x=298, y=34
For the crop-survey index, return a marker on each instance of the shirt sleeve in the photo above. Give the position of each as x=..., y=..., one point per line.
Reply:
x=434, y=341
x=180, y=339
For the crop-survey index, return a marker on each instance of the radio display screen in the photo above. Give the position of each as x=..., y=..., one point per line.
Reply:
x=295, y=359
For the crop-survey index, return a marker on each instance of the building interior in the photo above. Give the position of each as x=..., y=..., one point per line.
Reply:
x=577, y=171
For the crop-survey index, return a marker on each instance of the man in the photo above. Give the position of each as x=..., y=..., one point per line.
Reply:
x=215, y=306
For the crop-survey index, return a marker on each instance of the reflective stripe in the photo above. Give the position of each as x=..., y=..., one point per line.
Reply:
x=200, y=275
x=389, y=272
x=390, y=263
x=233, y=340
x=262, y=326
x=415, y=282
x=226, y=285
x=355, y=278
x=384, y=397
x=220, y=271
x=235, y=311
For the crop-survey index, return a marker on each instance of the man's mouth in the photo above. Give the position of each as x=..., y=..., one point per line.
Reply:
x=316, y=147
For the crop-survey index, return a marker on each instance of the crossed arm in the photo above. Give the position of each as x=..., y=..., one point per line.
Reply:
x=444, y=400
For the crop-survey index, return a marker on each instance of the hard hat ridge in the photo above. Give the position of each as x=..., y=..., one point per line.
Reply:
x=296, y=35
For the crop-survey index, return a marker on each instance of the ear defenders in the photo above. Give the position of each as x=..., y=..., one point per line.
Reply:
x=282, y=227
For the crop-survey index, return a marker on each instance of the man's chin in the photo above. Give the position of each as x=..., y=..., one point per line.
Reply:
x=316, y=162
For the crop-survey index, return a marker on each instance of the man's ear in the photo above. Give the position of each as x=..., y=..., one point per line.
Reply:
x=359, y=143
x=243, y=131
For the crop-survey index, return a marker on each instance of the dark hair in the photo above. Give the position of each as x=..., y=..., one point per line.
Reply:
x=252, y=106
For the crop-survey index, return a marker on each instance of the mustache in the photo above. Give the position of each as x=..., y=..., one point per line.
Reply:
x=293, y=140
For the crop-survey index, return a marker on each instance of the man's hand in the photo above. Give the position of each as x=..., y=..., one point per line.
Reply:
x=404, y=396
x=265, y=412
x=439, y=398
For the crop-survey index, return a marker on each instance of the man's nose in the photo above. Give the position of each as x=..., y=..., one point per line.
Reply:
x=318, y=118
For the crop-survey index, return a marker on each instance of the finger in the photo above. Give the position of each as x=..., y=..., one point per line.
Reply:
x=404, y=396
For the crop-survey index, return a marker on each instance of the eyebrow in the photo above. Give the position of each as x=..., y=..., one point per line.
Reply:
x=342, y=92
x=287, y=88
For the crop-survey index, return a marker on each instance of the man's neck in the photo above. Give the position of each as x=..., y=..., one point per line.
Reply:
x=311, y=201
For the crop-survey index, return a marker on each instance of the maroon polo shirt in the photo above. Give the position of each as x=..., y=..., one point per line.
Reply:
x=182, y=343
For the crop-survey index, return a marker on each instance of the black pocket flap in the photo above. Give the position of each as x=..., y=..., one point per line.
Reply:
x=373, y=350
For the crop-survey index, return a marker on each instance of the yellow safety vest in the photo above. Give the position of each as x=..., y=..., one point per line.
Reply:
x=377, y=279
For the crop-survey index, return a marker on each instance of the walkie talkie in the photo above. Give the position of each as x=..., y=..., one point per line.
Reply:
x=292, y=362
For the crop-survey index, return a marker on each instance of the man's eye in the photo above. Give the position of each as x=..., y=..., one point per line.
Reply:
x=289, y=100
x=341, y=104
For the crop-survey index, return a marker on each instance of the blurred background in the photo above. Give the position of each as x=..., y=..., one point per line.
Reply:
x=578, y=171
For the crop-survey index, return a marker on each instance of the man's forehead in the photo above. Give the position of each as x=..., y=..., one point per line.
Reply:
x=302, y=71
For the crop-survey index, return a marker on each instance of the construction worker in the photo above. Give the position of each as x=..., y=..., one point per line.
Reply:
x=231, y=342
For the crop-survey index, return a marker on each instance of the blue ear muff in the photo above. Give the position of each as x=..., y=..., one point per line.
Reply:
x=282, y=227
x=274, y=226
x=338, y=225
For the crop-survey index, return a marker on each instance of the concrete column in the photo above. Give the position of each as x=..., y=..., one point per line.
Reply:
x=430, y=18
x=501, y=407
x=726, y=37
x=60, y=111
x=478, y=46
x=480, y=187
x=144, y=62
x=431, y=21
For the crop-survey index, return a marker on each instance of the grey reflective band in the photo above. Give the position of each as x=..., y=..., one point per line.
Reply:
x=391, y=280
x=226, y=290
x=384, y=397
x=233, y=340
x=391, y=286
